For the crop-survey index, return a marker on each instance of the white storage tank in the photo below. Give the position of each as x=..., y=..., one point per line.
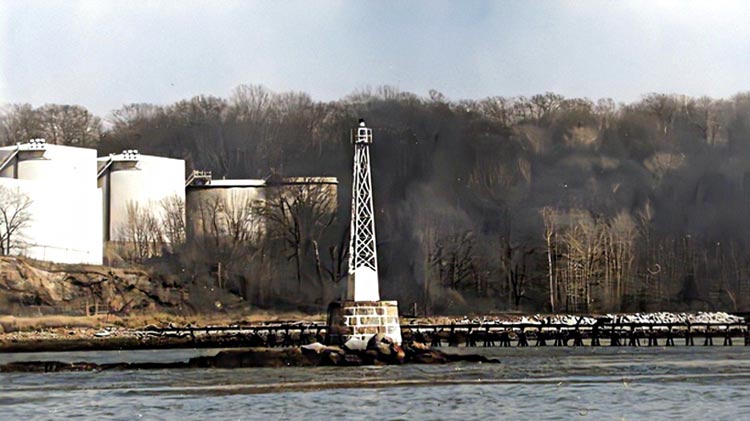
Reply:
x=65, y=210
x=324, y=190
x=203, y=194
x=130, y=180
x=52, y=164
x=208, y=200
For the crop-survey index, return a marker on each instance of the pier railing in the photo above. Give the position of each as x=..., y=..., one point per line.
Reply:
x=489, y=334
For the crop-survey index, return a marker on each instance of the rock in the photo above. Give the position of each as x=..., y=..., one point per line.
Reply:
x=332, y=356
x=355, y=344
x=416, y=348
x=103, y=333
x=420, y=345
x=399, y=356
x=70, y=285
x=261, y=357
x=380, y=343
x=370, y=357
x=313, y=348
x=385, y=350
x=255, y=358
x=333, y=348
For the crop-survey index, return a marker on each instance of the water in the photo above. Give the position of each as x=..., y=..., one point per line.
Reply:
x=540, y=383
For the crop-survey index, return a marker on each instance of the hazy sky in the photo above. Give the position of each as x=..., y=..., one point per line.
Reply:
x=103, y=54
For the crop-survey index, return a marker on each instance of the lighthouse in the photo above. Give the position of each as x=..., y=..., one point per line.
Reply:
x=363, y=283
x=362, y=314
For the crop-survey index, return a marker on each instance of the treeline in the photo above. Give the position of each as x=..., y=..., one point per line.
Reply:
x=541, y=203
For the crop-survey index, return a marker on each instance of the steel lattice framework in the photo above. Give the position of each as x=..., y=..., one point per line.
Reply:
x=363, y=260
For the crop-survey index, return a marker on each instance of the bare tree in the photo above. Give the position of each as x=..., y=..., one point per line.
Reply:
x=140, y=237
x=513, y=262
x=498, y=109
x=454, y=258
x=19, y=123
x=619, y=254
x=337, y=254
x=703, y=113
x=548, y=216
x=664, y=108
x=173, y=217
x=581, y=269
x=230, y=233
x=301, y=211
x=15, y=216
x=69, y=125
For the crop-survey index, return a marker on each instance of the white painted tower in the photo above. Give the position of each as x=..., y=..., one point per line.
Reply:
x=362, y=314
x=363, y=282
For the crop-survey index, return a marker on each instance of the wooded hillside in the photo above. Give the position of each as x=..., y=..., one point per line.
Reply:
x=541, y=203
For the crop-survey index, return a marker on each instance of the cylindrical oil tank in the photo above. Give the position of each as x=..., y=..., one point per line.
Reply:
x=53, y=164
x=65, y=203
x=208, y=205
x=130, y=179
x=58, y=164
x=323, y=190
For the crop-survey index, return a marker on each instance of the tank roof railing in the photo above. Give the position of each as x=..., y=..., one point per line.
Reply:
x=204, y=177
x=129, y=155
x=37, y=144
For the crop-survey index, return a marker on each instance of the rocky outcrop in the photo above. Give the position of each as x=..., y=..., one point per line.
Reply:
x=82, y=288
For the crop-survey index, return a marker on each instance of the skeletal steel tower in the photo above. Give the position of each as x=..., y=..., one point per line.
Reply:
x=362, y=314
x=363, y=258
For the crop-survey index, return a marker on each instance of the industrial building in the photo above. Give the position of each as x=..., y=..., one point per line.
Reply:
x=140, y=194
x=65, y=211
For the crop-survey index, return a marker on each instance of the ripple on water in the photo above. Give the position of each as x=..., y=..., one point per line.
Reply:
x=544, y=383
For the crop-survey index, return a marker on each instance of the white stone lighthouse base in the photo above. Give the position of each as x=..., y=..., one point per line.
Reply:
x=362, y=320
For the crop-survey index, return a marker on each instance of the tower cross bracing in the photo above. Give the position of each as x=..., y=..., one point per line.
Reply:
x=363, y=282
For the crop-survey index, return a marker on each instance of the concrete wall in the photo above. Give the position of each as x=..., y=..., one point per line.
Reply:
x=66, y=203
x=145, y=181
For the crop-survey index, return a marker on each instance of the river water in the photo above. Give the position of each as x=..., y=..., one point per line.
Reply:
x=540, y=383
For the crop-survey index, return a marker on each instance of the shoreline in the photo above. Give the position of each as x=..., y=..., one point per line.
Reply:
x=19, y=335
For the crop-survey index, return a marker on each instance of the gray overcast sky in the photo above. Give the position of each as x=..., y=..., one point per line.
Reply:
x=103, y=54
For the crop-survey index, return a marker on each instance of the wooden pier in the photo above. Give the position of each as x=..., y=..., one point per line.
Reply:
x=559, y=334
x=491, y=334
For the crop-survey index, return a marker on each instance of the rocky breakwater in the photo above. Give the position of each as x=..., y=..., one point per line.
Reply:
x=379, y=350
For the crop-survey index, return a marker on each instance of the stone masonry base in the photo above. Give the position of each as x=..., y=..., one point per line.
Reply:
x=362, y=320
